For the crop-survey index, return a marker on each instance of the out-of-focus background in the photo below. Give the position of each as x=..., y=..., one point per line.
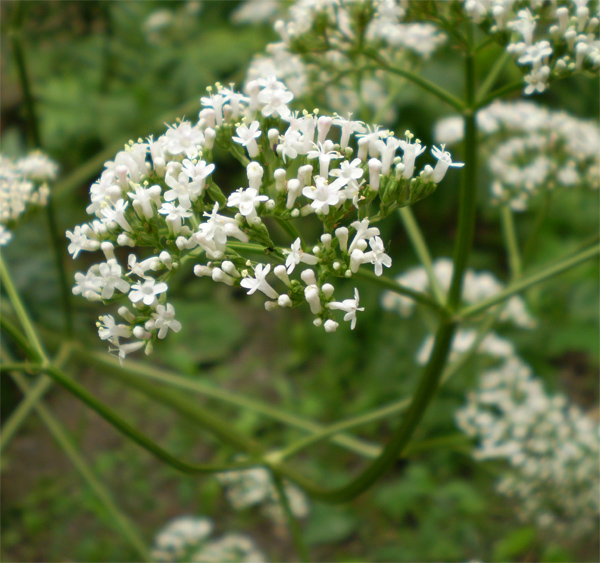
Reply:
x=106, y=72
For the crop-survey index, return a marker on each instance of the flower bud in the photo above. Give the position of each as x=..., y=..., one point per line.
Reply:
x=330, y=326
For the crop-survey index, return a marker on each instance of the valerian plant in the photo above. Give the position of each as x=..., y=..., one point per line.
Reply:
x=157, y=211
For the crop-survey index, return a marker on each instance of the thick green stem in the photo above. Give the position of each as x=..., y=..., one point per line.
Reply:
x=511, y=241
x=468, y=192
x=120, y=522
x=293, y=525
x=528, y=281
x=425, y=392
x=422, y=251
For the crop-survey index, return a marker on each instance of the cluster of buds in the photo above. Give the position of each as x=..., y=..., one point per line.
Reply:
x=23, y=182
x=187, y=539
x=550, y=39
x=255, y=487
x=158, y=202
x=550, y=444
x=535, y=150
x=319, y=41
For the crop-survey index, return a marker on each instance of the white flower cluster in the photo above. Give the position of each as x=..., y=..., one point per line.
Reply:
x=160, y=195
x=186, y=539
x=255, y=486
x=319, y=37
x=22, y=182
x=552, y=39
x=552, y=446
x=538, y=149
x=477, y=286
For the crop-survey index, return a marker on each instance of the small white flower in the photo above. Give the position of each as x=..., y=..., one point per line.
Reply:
x=296, y=255
x=349, y=306
x=111, y=272
x=247, y=137
x=183, y=138
x=246, y=200
x=163, y=320
x=111, y=331
x=147, y=292
x=411, y=151
x=259, y=282
x=348, y=173
x=444, y=161
x=323, y=195
x=377, y=255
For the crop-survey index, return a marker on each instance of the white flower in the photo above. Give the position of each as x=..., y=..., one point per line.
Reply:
x=275, y=98
x=444, y=161
x=88, y=285
x=163, y=320
x=348, y=173
x=6, y=235
x=197, y=172
x=246, y=200
x=110, y=273
x=219, y=227
x=79, y=242
x=349, y=306
x=142, y=199
x=111, y=331
x=247, y=137
x=325, y=153
x=147, y=292
x=183, y=138
x=348, y=127
x=297, y=255
x=387, y=150
x=116, y=214
x=175, y=215
x=290, y=144
x=323, y=195
x=363, y=232
x=180, y=190
x=259, y=282
x=536, y=53
x=411, y=151
x=377, y=255
x=215, y=102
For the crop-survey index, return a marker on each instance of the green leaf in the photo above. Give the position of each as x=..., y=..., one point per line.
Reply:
x=516, y=543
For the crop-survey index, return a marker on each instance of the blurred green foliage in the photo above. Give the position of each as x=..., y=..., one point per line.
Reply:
x=100, y=77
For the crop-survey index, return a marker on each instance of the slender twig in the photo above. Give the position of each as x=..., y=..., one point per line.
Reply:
x=422, y=251
x=530, y=280
x=57, y=246
x=15, y=334
x=21, y=366
x=417, y=79
x=120, y=522
x=499, y=93
x=293, y=525
x=511, y=241
x=32, y=397
x=492, y=76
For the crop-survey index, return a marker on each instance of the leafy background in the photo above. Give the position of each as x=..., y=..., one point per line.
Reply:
x=99, y=78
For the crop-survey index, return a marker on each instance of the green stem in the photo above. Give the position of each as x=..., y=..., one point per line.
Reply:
x=120, y=522
x=511, y=241
x=127, y=430
x=468, y=192
x=33, y=341
x=499, y=93
x=540, y=217
x=422, y=251
x=492, y=76
x=15, y=334
x=21, y=366
x=21, y=63
x=532, y=279
x=392, y=285
x=138, y=369
x=33, y=396
x=425, y=392
x=295, y=530
x=388, y=410
x=425, y=84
